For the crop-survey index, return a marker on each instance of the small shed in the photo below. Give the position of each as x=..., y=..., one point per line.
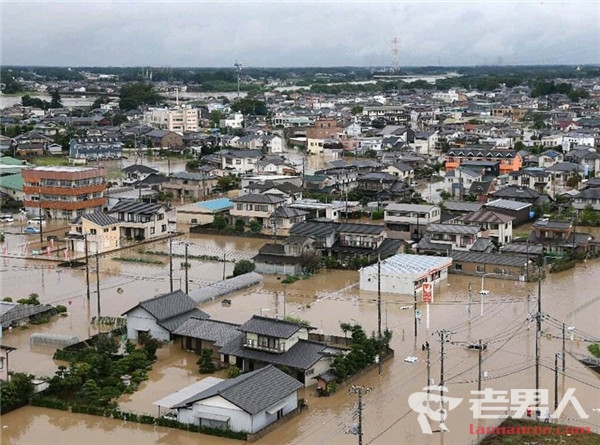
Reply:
x=323, y=383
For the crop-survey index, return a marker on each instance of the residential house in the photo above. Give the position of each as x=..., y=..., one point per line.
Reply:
x=392, y=114
x=263, y=341
x=560, y=237
x=54, y=149
x=561, y=173
x=283, y=218
x=549, y=158
x=571, y=140
x=203, y=212
x=441, y=238
x=537, y=179
x=459, y=180
x=408, y=221
x=273, y=144
x=324, y=128
x=586, y=157
x=497, y=225
x=100, y=231
x=400, y=170
x=198, y=333
x=255, y=207
x=190, y=186
x=136, y=172
x=425, y=141
x=247, y=403
x=480, y=190
x=140, y=220
x=587, y=197
x=4, y=369
x=283, y=258
x=520, y=211
x=322, y=231
x=11, y=186
x=160, y=316
x=330, y=210
x=498, y=265
x=287, y=190
x=95, y=148
x=240, y=161
x=30, y=144
x=163, y=139
x=518, y=193
x=367, y=241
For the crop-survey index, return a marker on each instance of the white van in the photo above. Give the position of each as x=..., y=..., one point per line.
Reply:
x=37, y=221
x=6, y=218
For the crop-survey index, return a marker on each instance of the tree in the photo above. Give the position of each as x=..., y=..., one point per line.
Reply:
x=90, y=391
x=132, y=95
x=205, y=362
x=250, y=105
x=239, y=225
x=233, y=372
x=242, y=267
x=227, y=183
x=16, y=392
x=55, y=102
x=215, y=117
x=310, y=260
x=255, y=226
x=107, y=345
x=519, y=146
x=357, y=109
x=219, y=222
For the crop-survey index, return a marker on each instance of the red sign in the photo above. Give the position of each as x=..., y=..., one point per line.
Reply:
x=427, y=292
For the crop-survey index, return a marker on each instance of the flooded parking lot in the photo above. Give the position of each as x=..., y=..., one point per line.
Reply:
x=325, y=300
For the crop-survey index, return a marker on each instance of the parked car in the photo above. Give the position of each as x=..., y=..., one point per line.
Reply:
x=37, y=221
x=6, y=218
x=31, y=229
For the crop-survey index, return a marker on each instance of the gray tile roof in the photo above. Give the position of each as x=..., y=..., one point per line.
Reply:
x=499, y=259
x=253, y=392
x=548, y=224
x=288, y=212
x=172, y=309
x=276, y=259
x=260, y=199
x=272, y=249
x=101, y=219
x=132, y=206
x=460, y=229
x=459, y=206
x=219, y=332
x=270, y=327
x=486, y=216
x=139, y=168
x=507, y=204
x=303, y=355
x=370, y=229
x=315, y=229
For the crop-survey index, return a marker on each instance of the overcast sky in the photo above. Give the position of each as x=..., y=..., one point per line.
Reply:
x=299, y=33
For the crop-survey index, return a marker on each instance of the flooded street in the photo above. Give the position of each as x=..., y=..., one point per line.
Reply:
x=325, y=300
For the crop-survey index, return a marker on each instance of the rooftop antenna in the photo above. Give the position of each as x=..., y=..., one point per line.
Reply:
x=238, y=67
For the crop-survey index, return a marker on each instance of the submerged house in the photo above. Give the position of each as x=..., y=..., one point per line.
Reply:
x=247, y=403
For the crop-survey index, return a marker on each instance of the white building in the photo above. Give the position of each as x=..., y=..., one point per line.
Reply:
x=405, y=274
x=179, y=119
x=236, y=120
x=247, y=403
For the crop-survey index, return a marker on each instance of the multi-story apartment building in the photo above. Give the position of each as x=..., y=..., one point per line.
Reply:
x=509, y=160
x=181, y=119
x=64, y=192
x=92, y=148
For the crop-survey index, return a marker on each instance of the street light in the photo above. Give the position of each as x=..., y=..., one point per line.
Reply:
x=483, y=292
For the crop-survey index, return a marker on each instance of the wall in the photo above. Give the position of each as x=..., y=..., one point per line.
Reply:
x=396, y=284
x=140, y=320
x=238, y=420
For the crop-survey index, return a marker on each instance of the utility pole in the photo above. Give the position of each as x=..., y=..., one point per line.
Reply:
x=415, y=306
x=479, y=366
x=379, y=306
x=538, y=332
x=428, y=349
x=224, y=266
x=470, y=300
x=187, y=266
x=444, y=337
x=556, y=380
x=98, y=287
x=563, y=348
x=360, y=391
x=87, y=268
x=171, y=263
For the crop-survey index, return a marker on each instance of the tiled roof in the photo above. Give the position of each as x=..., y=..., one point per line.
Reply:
x=315, y=229
x=132, y=206
x=270, y=326
x=276, y=259
x=219, y=332
x=370, y=229
x=169, y=305
x=253, y=392
x=486, y=216
x=499, y=259
x=258, y=198
x=287, y=212
x=101, y=219
x=461, y=229
x=139, y=168
x=303, y=355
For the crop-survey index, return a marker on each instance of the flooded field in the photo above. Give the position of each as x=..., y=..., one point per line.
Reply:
x=325, y=300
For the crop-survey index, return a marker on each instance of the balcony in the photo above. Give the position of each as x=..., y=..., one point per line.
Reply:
x=67, y=205
x=278, y=348
x=70, y=191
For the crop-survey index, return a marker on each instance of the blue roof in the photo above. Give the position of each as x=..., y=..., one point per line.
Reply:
x=216, y=204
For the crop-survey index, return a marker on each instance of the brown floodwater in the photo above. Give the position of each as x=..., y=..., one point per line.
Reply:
x=325, y=300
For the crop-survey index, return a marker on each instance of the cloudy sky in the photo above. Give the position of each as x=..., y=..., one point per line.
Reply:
x=299, y=33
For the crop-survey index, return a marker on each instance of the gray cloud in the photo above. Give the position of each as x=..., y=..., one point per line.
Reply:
x=301, y=33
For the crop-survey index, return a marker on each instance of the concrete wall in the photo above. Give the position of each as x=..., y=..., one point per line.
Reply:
x=395, y=284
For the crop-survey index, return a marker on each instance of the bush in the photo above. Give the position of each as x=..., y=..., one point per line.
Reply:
x=16, y=392
x=242, y=267
x=233, y=372
x=219, y=222
x=239, y=225
x=377, y=215
x=594, y=350
x=33, y=299
x=61, y=308
x=7, y=299
x=255, y=226
x=205, y=362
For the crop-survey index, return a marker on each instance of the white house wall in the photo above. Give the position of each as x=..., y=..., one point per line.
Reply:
x=140, y=320
x=396, y=283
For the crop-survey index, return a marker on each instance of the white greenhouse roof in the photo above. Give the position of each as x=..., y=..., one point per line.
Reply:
x=409, y=264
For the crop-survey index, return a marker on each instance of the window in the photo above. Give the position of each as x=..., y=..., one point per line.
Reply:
x=240, y=206
x=480, y=268
x=194, y=221
x=163, y=228
x=114, y=228
x=106, y=230
x=458, y=266
x=151, y=230
x=161, y=216
x=93, y=232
